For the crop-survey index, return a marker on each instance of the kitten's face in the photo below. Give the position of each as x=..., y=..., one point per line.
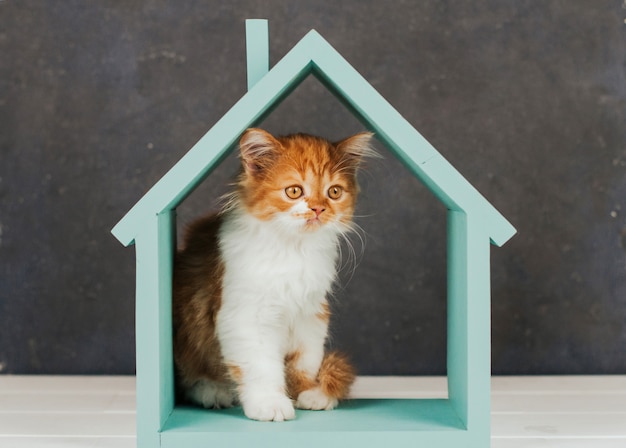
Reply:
x=301, y=182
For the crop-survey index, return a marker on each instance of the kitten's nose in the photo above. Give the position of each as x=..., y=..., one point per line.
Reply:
x=318, y=211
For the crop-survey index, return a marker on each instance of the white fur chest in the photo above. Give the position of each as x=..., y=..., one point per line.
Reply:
x=290, y=273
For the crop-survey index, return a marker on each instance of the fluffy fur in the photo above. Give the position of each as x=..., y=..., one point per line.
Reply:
x=251, y=283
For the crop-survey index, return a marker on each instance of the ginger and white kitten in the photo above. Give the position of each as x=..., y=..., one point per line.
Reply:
x=251, y=283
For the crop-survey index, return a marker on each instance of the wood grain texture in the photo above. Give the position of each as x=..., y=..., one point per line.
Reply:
x=527, y=412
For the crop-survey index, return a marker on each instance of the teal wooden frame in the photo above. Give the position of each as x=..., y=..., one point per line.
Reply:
x=462, y=420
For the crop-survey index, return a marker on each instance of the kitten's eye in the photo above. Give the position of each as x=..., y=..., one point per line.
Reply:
x=293, y=192
x=335, y=192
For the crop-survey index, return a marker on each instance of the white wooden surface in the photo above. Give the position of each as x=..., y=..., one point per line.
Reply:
x=527, y=412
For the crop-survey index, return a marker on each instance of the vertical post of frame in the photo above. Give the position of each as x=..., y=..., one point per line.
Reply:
x=257, y=50
x=469, y=334
x=155, y=376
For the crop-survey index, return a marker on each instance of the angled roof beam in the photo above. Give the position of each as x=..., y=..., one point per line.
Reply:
x=417, y=154
x=215, y=145
x=312, y=54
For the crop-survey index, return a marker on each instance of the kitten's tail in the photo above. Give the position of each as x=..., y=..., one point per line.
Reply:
x=336, y=375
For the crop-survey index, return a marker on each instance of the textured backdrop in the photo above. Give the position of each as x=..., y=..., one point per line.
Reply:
x=527, y=99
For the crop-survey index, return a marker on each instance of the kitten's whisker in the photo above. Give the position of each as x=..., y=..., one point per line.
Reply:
x=360, y=233
x=351, y=260
x=229, y=201
x=364, y=216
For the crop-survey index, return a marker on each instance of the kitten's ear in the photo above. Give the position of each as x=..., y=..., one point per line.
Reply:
x=357, y=147
x=258, y=149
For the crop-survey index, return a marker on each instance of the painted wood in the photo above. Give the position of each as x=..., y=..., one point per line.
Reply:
x=460, y=420
x=314, y=55
x=61, y=384
x=48, y=424
x=573, y=411
x=118, y=397
x=469, y=365
x=558, y=443
x=404, y=141
x=384, y=415
x=366, y=423
x=544, y=425
x=257, y=50
x=540, y=403
x=68, y=442
x=558, y=385
x=399, y=387
x=155, y=366
x=68, y=402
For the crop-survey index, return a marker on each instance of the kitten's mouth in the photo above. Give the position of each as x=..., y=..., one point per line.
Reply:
x=310, y=221
x=313, y=223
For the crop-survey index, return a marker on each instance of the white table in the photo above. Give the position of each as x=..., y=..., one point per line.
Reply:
x=99, y=411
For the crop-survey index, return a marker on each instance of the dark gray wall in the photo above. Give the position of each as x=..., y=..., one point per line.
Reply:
x=526, y=98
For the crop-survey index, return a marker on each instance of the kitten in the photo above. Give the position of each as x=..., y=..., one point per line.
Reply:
x=250, y=288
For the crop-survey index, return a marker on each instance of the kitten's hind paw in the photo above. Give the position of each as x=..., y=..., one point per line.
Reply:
x=316, y=400
x=275, y=408
x=211, y=394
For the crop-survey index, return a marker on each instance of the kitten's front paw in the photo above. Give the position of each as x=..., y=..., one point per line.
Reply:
x=276, y=408
x=316, y=400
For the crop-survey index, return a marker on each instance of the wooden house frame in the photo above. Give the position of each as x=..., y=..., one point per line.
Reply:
x=461, y=420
